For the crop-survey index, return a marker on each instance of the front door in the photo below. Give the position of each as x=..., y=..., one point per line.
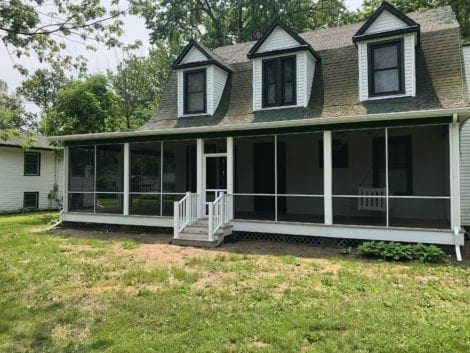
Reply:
x=215, y=181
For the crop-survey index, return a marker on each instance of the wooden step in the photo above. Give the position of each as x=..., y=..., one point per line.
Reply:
x=197, y=243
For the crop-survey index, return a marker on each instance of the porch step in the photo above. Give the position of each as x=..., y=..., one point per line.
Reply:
x=197, y=234
x=197, y=243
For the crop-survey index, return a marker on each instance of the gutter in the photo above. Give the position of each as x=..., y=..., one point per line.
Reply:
x=462, y=113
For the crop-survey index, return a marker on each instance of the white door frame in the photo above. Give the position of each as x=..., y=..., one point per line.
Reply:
x=201, y=174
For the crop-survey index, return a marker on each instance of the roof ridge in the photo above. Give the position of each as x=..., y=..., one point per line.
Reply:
x=355, y=24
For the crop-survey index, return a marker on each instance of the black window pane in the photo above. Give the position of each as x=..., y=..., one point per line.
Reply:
x=196, y=82
x=196, y=102
x=109, y=168
x=288, y=92
x=279, y=82
x=386, y=57
x=271, y=95
x=195, y=92
x=288, y=69
x=270, y=68
x=31, y=163
x=82, y=168
x=31, y=200
x=387, y=81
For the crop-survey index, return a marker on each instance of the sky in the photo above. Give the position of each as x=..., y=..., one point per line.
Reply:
x=98, y=61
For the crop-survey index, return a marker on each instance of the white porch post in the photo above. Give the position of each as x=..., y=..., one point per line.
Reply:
x=65, y=188
x=199, y=176
x=126, y=179
x=454, y=159
x=327, y=178
x=230, y=172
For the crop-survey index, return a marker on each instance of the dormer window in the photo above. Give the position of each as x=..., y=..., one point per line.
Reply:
x=201, y=77
x=386, y=47
x=283, y=69
x=386, y=68
x=195, y=92
x=279, y=82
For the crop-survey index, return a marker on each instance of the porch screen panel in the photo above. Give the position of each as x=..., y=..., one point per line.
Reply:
x=81, y=181
x=179, y=172
x=254, y=178
x=300, y=178
x=109, y=179
x=418, y=168
x=145, y=178
x=357, y=200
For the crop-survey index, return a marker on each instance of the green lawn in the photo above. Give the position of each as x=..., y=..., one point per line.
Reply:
x=84, y=294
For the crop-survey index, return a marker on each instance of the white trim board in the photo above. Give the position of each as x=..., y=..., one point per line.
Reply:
x=155, y=221
x=419, y=235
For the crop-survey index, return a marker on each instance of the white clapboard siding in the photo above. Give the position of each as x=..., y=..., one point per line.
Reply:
x=305, y=66
x=311, y=61
x=466, y=61
x=194, y=55
x=13, y=183
x=465, y=172
x=409, y=43
x=385, y=22
x=278, y=39
x=220, y=79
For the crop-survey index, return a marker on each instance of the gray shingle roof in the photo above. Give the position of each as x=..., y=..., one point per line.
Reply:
x=41, y=143
x=335, y=87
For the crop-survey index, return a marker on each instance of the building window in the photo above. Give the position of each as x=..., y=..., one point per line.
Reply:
x=32, y=163
x=31, y=200
x=386, y=68
x=279, y=82
x=195, y=92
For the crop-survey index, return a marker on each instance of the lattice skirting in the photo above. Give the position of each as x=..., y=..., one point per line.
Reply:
x=294, y=239
x=105, y=227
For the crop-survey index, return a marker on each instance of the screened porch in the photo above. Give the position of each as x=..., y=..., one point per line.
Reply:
x=387, y=177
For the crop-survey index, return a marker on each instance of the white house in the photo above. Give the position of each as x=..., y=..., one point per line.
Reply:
x=348, y=132
x=32, y=178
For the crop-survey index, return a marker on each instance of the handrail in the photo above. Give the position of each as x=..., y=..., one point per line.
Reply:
x=184, y=213
x=218, y=214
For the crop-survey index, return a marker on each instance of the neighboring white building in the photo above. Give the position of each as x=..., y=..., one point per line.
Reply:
x=31, y=178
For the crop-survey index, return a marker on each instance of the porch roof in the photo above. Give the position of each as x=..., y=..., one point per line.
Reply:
x=425, y=117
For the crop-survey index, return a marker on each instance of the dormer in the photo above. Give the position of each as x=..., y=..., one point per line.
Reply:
x=201, y=77
x=283, y=69
x=386, y=46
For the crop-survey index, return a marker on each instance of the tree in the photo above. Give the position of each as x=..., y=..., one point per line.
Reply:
x=84, y=106
x=221, y=22
x=43, y=86
x=460, y=7
x=42, y=27
x=12, y=114
x=139, y=82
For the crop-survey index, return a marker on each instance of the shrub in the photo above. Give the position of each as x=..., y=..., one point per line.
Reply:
x=401, y=252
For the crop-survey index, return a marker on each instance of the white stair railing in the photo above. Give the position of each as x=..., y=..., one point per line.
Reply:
x=218, y=214
x=184, y=213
